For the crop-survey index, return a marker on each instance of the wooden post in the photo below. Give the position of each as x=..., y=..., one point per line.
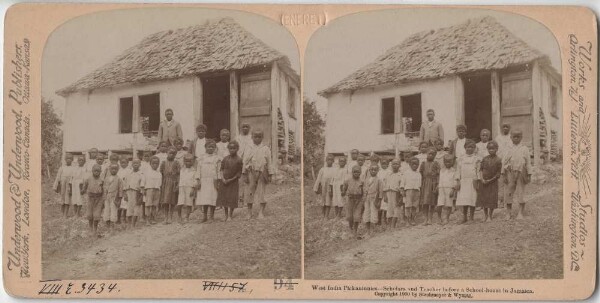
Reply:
x=536, y=93
x=459, y=99
x=135, y=124
x=234, y=112
x=495, y=104
x=274, y=105
x=197, y=103
x=398, y=125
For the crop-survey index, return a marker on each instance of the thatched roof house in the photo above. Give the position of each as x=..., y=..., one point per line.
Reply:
x=216, y=73
x=478, y=65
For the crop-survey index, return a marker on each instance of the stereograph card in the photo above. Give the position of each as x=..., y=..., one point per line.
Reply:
x=221, y=151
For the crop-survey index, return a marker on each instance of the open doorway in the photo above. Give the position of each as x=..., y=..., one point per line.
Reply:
x=215, y=105
x=411, y=114
x=478, y=104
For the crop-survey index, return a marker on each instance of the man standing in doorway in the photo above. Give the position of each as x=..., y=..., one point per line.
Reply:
x=169, y=129
x=431, y=130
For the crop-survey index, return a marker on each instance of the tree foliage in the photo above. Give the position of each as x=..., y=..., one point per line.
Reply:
x=52, y=138
x=314, y=138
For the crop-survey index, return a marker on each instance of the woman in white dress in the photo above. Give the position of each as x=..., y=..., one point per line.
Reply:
x=207, y=172
x=467, y=176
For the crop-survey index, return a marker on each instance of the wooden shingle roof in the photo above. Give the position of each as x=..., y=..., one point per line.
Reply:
x=217, y=45
x=478, y=44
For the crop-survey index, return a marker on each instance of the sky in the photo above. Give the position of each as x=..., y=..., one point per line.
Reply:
x=83, y=44
x=351, y=42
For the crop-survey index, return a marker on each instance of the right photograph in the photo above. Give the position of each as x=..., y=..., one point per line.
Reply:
x=433, y=147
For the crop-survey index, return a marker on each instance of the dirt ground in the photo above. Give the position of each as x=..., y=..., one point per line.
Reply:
x=268, y=248
x=516, y=249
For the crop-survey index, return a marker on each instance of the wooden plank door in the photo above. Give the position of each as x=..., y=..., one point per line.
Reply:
x=255, y=103
x=517, y=104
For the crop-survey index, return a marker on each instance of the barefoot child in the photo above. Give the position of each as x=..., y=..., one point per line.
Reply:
x=230, y=173
x=163, y=148
x=89, y=164
x=373, y=197
x=360, y=161
x=245, y=141
x=504, y=144
x=446, y=189
x=180, y=151
x=207, y=178
x=94, y=188
x=491, y=166
x=439, y=156
x=467, y=178
x=133, y=195
x=62, y=184
x=100, y=161
x=430, y=173
x=187, y=188
x=113, y=193
x=391, y=189
x=353, y=160
x=222, y=150
x=353, y=190
x=79, y=176
x=422, y=155
x=373, y=159
x=169, y=170
x=112, y=159
x=339, y=177
x=383, y=173
x=405, y=165
x=516, y=171
x=481, y=147
x=124, y=170
x=198, y=146
x=145, y=163
x=324, y=185
x=257, y=172
x=457, y=146
x=151, y=183
x=410, y=189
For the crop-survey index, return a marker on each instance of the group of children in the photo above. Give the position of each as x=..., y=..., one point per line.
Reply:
x=204, y=175
x=465, y=175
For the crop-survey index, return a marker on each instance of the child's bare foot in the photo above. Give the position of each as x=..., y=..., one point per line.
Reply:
x=261, y=216
x=508, y=217
x=520, y=216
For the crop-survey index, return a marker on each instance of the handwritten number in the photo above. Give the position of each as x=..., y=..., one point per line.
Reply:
x=101, y=288
x=111, y=287
x=82, y=288
x=91, y=287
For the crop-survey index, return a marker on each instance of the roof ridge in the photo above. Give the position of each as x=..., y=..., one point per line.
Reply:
x=480, y=43
x=215, y=45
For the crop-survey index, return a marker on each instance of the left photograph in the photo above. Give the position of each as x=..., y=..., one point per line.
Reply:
x=171, y=147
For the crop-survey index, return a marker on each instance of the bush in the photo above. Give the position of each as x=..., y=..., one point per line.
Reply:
x=314, y=140
x=52, y=139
